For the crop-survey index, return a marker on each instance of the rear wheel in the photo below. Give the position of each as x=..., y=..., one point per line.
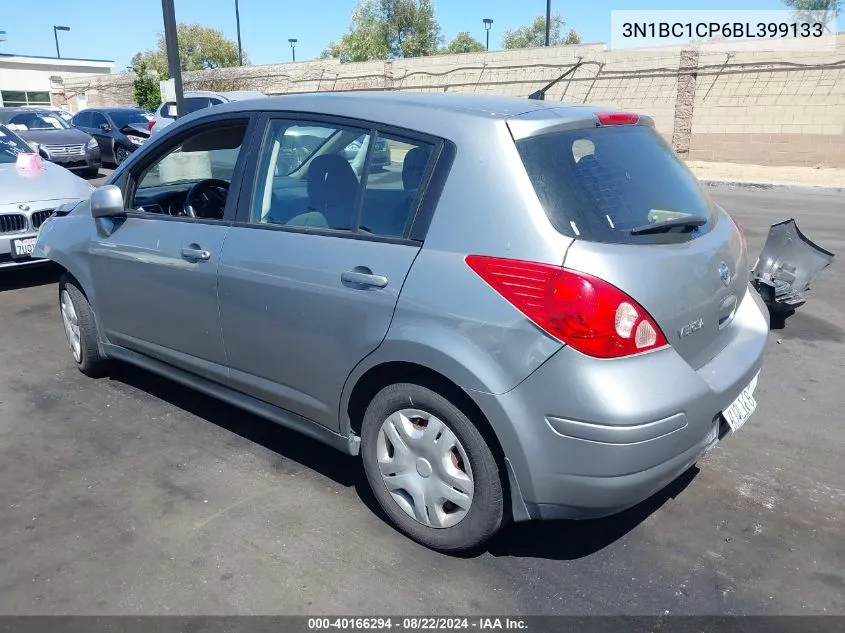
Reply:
x=80, y=328
x=430, y=469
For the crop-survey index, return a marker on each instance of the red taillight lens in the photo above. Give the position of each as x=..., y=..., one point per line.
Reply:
x=150, y=124
x=618, y=118
x=583, y=311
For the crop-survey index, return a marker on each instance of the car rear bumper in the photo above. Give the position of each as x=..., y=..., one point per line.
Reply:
x=587, y=437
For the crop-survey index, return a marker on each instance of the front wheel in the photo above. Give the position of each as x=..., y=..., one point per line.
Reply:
x=430, y=469
x=80, y=328
x=120, y=154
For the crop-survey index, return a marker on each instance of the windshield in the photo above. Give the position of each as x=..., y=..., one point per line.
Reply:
x=10, y=146
x=600, y=184
x=122, y=118
x=40, y=121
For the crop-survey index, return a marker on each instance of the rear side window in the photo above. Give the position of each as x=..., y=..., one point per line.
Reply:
x=600, y=183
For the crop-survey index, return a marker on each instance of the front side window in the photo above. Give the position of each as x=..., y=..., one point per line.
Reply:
x=97, y=119
x=201, y=164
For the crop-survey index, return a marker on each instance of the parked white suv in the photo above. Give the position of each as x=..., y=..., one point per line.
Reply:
x=197, y=100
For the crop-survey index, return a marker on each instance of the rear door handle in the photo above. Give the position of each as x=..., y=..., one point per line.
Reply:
x=195, y=252
x=368, y=280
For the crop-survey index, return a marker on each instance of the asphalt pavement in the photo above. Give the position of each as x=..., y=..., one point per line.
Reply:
x=133, y=495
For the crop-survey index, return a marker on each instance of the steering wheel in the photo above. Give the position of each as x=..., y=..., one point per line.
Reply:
x=207, y=199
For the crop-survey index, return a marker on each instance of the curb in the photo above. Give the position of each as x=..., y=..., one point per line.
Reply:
x=769, y=186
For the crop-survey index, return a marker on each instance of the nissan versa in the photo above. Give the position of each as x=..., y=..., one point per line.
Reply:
x=533, y=312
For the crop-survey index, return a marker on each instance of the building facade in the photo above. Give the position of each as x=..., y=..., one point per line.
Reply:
x=32, y=80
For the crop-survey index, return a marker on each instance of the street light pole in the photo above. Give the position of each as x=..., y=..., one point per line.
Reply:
x=548, y=21
x=172, y=43
x=487, y=24
x=293, y=42
x=56, y=30
x=238, y=22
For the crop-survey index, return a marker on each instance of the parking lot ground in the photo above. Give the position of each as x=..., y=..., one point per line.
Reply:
x=133, y=495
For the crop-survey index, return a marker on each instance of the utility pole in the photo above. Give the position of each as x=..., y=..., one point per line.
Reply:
x=238, y=22
x=172, y=43
x=56, y=30
x=488, y=22
x=548, y=21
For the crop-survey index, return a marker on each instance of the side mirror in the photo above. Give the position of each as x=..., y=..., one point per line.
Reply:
x=105, y=127
x=107, y=202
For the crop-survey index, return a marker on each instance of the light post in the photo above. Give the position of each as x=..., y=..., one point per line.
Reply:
x=171, y=41
x=548, y=21
x=56, y=30
x=293, y=42
x=238, y=24
x=487, y=24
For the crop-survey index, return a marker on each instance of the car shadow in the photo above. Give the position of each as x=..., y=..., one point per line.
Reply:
x=290, y=445
x=28, y=277
x=570, y=540
x=554, y=540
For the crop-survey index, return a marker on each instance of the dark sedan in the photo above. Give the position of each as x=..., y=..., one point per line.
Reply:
x=49, y=135
x=119, y=131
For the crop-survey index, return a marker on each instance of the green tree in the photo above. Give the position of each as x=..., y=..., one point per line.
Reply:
x=200, y=48
x=534, y=34
x=145, y=88
x=464, y=43
x=811, y=10
x=388, y=29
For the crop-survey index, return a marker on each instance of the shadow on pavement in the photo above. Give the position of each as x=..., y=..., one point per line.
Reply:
x=556, y=540
x=569, y=540
x=28, y=276
x=289, y=445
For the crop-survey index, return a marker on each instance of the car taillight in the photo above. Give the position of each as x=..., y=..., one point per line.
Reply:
x=618, y=118
x=588, y=313
x=150, y=125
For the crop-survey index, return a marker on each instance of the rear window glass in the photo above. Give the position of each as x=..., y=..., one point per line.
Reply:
x=600, y=183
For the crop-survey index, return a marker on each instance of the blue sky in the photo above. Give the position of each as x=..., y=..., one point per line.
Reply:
x=117, y=30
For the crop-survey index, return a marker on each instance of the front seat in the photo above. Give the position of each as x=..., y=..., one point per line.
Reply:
x=332, y=188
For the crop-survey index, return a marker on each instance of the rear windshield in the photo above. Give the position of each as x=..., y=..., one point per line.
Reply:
x=600, y=183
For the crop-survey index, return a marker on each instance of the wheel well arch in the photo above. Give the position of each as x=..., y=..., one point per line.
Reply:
x=380, y=376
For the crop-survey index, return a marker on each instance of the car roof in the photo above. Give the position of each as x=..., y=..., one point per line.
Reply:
x=411, y=110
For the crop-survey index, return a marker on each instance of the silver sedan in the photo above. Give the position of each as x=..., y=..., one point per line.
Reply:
x=28, y=196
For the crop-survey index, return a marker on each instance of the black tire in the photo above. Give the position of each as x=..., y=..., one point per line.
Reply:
x=120, y=154
x=93, y=172
x=91, y=362
x=486, y=513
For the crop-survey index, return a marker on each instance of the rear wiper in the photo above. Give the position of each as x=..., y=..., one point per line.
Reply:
x=691, y=222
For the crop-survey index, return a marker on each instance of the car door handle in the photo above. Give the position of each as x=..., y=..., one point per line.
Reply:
x=195, y=252
x=368, y=279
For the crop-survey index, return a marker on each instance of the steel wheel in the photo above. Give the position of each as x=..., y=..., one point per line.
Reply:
x=71, y=323
x=120, y=154
x=425, y=468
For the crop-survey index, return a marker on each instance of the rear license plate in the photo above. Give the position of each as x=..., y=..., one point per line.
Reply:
x=22, y=248
x=738, y=412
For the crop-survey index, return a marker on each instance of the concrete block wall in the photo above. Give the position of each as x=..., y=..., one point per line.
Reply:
x=769, y=102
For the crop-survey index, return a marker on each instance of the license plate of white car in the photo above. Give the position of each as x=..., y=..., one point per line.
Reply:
x=22, y=248
x=738, y=412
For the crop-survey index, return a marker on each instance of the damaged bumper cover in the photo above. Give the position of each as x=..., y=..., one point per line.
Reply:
x=785, y=267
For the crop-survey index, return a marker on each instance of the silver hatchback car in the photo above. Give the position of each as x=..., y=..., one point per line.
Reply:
x=533, y=312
